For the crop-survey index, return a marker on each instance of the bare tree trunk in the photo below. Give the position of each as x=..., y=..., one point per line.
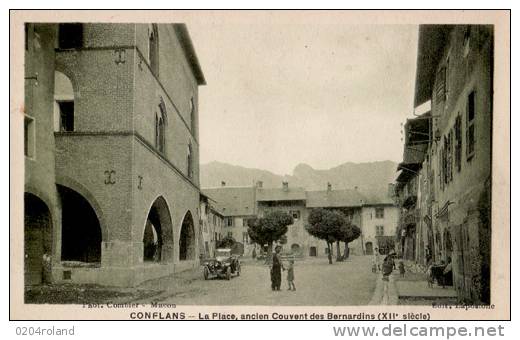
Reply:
x=329, y=255
x=338, y=252
x=269, y=257
x=347, y=251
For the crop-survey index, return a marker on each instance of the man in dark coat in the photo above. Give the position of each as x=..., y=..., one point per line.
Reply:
x=276, y=269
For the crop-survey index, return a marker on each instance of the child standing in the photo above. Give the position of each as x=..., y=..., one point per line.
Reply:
x=290, y=275
x=401, y=268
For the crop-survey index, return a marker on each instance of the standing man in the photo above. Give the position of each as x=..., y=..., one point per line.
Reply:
x=276, y=269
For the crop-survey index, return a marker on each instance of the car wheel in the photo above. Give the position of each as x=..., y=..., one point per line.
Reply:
x=228, y=273
x=206, y=273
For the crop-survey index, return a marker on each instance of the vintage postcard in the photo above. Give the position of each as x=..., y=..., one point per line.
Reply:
x=260, y=165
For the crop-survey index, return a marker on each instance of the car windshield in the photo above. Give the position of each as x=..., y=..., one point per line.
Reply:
x=222, y=253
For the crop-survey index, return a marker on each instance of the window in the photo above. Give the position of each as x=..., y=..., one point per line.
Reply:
x=192, y=115
x=230, y=234
x=440, y=88
x=458, y=143
x=153, y=48
x=380, y=212
x=245, y=237
x=229, y=221
x=295, y=214
x=215, y=236
x=28, y=134
x=160, y=128
x=467, y=35
x=70, y=36
x=470, y=125
x=380, y=230
x=66, y=108
x=189, y=161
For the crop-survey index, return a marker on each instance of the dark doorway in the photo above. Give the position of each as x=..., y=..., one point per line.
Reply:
x=313, y=251
x=81, y=230
x=158, y=233
x=187, y=239
x=369, y=249
x=295, y=248
x=37, y=239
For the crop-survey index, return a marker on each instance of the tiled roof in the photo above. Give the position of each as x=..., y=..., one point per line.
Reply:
x=233, y=201
x=334, y=199
x=279, y=194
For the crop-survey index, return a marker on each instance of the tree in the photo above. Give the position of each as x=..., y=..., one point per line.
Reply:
x=348, y=233
x=226, y=242
x=326, y=225
x=270, y=228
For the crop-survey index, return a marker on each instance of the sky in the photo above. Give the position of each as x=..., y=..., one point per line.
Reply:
x=279, y=94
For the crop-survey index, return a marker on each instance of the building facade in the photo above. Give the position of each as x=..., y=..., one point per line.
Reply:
x=211, y=221
x=452, y=185
x=125, y=128
x=235, y=204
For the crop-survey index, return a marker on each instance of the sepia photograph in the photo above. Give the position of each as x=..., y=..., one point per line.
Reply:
x=178, y=162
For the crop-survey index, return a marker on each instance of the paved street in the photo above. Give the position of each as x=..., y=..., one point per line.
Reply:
x=317, y=283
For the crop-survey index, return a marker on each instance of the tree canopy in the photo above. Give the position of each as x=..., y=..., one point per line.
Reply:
x=332, y=226
x=270, y=228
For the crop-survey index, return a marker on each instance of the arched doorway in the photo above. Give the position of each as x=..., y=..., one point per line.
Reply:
x=158, y=233
x=187, y=239
x=369, y=249
x=37, y=239
x=80, y=228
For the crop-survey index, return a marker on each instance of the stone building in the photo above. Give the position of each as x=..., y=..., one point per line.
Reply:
x=236, y=205
x=453, y=183
x=124, y=138
x=379, y=220
x=291, y=201
x=211, y=222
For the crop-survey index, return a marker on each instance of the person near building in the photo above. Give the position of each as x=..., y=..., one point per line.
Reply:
x=276, y=269
x=290, y=275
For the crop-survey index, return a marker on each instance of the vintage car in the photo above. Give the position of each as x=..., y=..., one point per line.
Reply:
x=224, y=265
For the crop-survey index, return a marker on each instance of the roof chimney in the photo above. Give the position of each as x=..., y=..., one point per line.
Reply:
x=222, y=184
x=329, y=186
x=259, y=184
x=285, y=186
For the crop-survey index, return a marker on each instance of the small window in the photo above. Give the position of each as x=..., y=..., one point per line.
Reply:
x=380, y=212
x=440, y=88
x=466, y=41
x=192, y=115
x=189, y=161
x=66, y=108
x=29, y=136
x=230, y=234
x=160, y=128
x=229, y=221
x=470, y=125
x=70, y=36
x=153, y=49
x=380, y=230
x=458, y=143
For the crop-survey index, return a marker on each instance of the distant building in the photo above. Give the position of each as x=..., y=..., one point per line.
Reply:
x=379, y=220
x=211, y=222
x=111, y=139
x=238, y=204
x=292, y=201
